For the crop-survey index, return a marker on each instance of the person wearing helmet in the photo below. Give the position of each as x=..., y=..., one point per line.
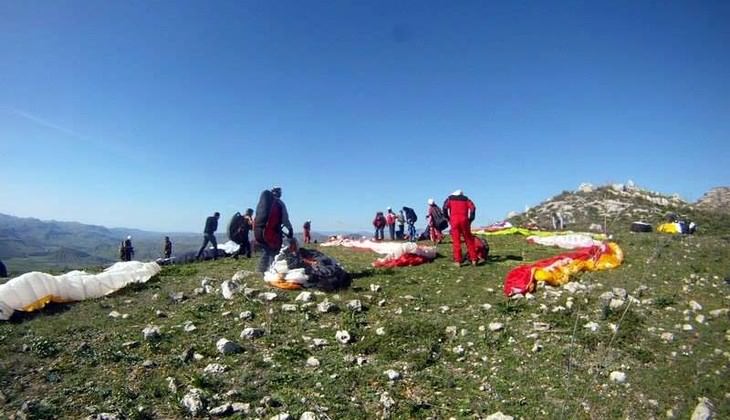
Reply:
x=461, y=211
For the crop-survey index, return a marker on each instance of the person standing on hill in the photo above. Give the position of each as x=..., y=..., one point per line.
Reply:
x=245, y=246
x=401, y=219
x=411, y=219
x=128, y=249
x=461, y=212
x=271, y=217
x=211, y=225
x=390, y=219
x=167, y=250
x=307, y=232
x=436, y=220
x=379, y=224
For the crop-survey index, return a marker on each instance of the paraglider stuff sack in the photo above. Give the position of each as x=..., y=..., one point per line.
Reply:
x=235, y=233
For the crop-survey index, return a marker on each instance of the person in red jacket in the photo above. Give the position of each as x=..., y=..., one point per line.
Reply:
x=461, y=212
x=390, y=221
x=379, y=224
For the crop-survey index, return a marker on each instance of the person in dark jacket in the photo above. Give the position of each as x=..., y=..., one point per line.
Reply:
x=3, y=270
x=461, y=212
x=128, y=249
x=307, y=232
x=211, y=225
x=379, y=223
x=245, y=245
x=435, y=218
x=270, y=219
x=167, y=250
x=411, y=219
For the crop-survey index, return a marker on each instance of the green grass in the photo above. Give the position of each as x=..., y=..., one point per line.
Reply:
x=68, y=360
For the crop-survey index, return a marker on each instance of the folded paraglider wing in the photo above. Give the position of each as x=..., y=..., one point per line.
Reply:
x=33, y=291
x=557, y=270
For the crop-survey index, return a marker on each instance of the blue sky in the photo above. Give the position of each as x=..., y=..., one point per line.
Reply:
x=155, y=114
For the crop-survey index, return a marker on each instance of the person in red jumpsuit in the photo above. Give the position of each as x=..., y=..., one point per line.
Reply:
x=461, y=212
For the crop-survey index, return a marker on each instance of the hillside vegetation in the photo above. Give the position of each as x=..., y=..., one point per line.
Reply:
x=430, y=341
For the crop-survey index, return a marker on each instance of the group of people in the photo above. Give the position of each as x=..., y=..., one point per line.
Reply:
x=268, y=224
x=271, y=218
x=406, y=216
x=457, y=212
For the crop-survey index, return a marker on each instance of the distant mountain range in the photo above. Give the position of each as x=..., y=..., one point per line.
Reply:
x=29, y=244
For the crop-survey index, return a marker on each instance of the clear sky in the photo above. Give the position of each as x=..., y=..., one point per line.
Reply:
x=154, y=114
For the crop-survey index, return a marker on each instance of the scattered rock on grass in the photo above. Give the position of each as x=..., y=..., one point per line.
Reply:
x=393, y=375
x=703, y=410
x=386, y=401
x=342, y=336
x=495, y=326
x=304, y=297
x=499, y=416
x=354, y=305
x=267, y=296
x=177, y=297
x=243, y=274
x=246, y=315
x=227, y=347
x=221, y=410
x=251, y=333
x=289, y=307
x=152, y=332
x=313, y=362
x=229, y=288
x=617, y=377
x=308, y=415
x=215, y=368
x=326, y=306
x=192, y=401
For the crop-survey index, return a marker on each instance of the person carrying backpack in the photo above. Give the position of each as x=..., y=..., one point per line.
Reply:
x=238, y=230
x=379, y=223
x=461, y=211
x=411, y=219
x=436, y=222
x=271, y=217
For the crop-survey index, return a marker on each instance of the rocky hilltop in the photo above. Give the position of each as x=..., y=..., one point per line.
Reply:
x=617, y=205
x=715, y=200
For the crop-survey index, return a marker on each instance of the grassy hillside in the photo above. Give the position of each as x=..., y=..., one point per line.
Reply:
x=74, y=360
